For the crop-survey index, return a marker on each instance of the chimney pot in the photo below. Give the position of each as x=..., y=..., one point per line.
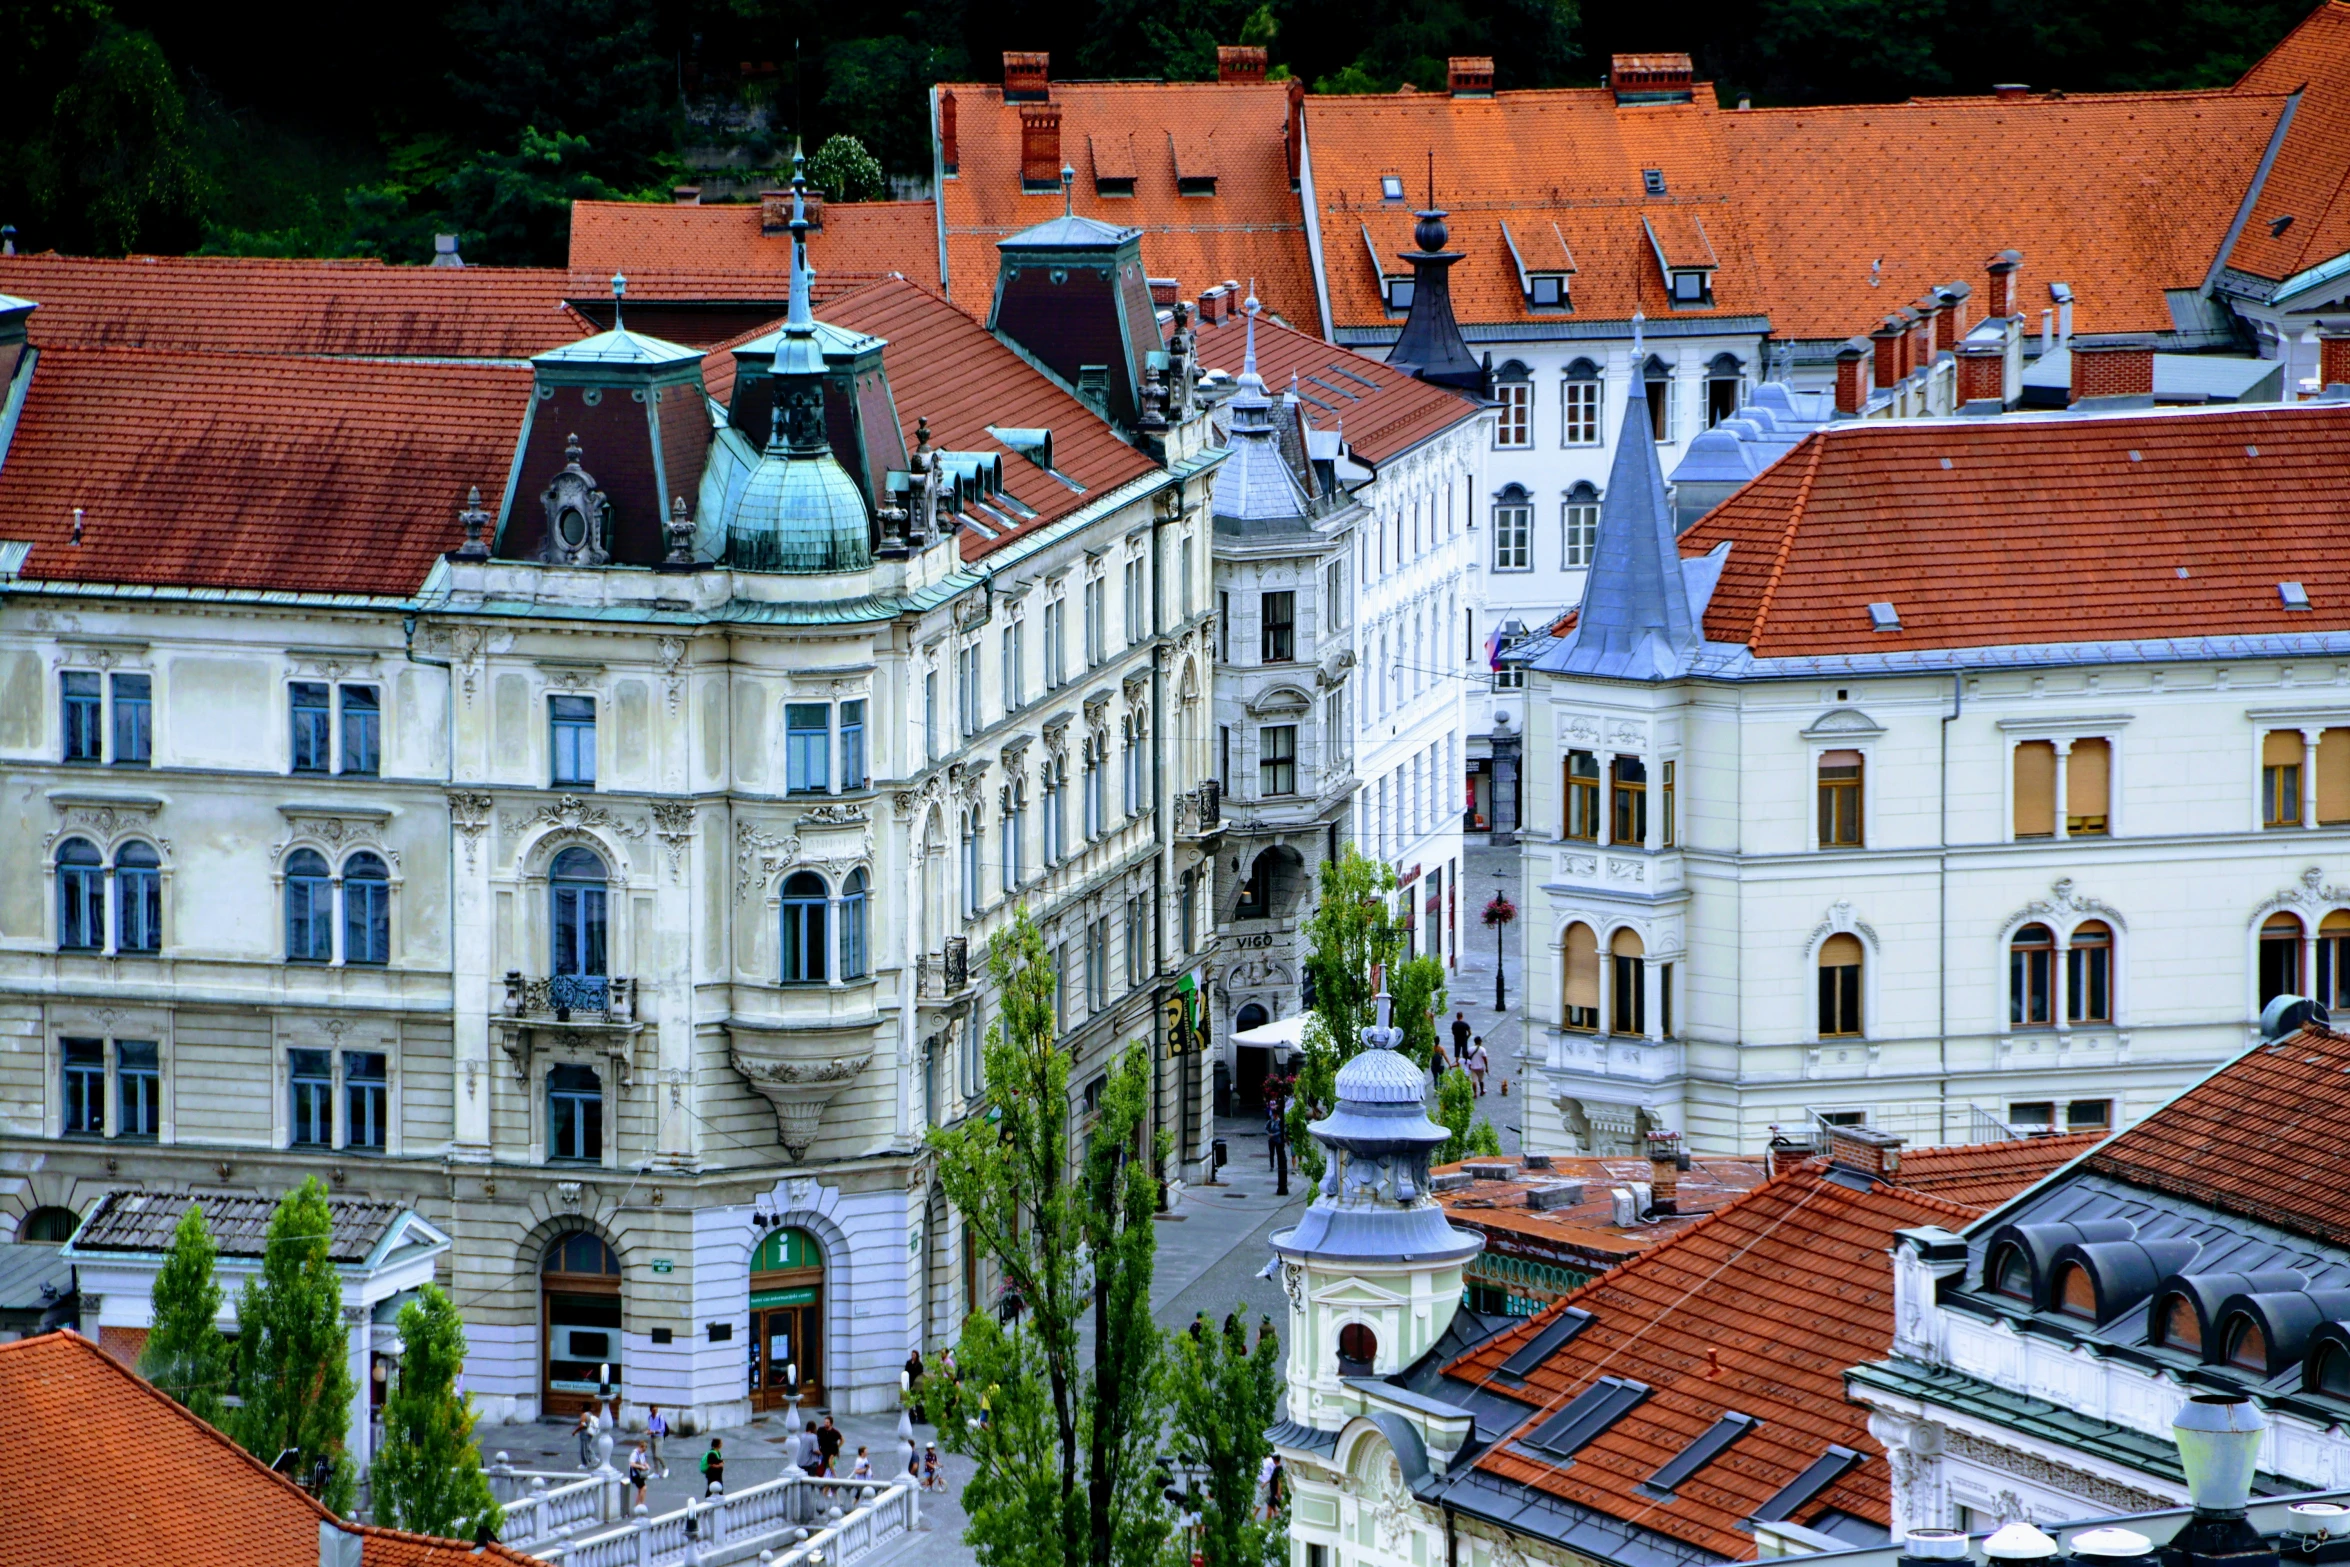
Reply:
x=1240, y=63
x=1866, y=1150
x=1293, y=135
x=2011, y=92
x=1027, y=76
x=774, y=212
x=686, y=195
x=1652, y=78
x=1852, y=390
x=1950, y=326
x=948, y=158
x=2102, y=370
x=1469, y=75
x=1982, y=374
x=1999, y=297
x=1664, y=1172
x=1886, y=343
x=444, y=251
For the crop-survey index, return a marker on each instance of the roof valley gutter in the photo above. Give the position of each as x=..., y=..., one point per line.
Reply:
x=2268, y=158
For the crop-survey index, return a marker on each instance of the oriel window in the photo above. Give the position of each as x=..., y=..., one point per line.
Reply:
x=1277, y=637
x=807, y=747
x=1582, y=820
x=1277, y=759
x=1629, y=787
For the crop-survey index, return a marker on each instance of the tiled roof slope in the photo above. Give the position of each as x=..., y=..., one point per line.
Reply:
x=1502, y=1210
x=240, y=305
x=1980, y=1174
x=1786, y=1286
x=945, y=367
x=2311, y=180
x=2242, y=1139
x=1252, y=227
x=129, y=1220
x=1565, y=157
x=2120, y=196
x=718, y=252
x=253, y=471
x=1381, y=411
x=2151, y=525
x=170, y=1487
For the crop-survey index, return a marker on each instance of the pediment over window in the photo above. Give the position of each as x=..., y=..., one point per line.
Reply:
x=1842, y=723
x=1279, y=700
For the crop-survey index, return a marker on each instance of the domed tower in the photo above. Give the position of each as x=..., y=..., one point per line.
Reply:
x=1373, y=1270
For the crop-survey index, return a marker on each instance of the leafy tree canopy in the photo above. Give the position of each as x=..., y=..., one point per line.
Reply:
x=185, y=1354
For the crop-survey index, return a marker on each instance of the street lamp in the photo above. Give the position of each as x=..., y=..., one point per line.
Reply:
x=1498, y=914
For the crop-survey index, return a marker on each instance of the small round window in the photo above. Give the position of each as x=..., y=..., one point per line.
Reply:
x=571, y=523
x=1357, y=1344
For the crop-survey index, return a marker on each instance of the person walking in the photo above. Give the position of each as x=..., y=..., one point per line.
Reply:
x=1460, y=1037
x=914, y=1385
x=586, y=1432
x=640, y=1471
x=714, y=1468
x=933, y=1478
x=828, y=1442
x=864, y=1466
x=1477, y=1064
x=655, y=1429
x=1274, y=1478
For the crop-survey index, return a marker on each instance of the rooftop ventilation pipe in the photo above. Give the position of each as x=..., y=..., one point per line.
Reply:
x=2219, y=1437
x=2113, y=1548
x=2286, y=1016
x=2019, y=1542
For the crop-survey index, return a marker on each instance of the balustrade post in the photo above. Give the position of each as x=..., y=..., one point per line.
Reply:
x=643, y=1524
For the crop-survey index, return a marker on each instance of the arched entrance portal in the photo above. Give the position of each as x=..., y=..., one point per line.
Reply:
x=579, y=1285
x=787, y=1318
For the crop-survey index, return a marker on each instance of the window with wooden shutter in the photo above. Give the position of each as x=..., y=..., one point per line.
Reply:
x=2035, y=789
x=2333, y=954
x=2088, y=787
x=2280, y=778
x=2333, y=778
x=1630, y=1009
x=1839, y=787
x=1582, y=978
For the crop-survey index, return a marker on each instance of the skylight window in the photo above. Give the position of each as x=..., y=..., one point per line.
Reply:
x=1540, y=1347
x=1708, y=1447
x=2293, y=595
x=1884, y=617
x=1653, y=181
x=1588, y=1415
x=1817, y=1476
x=1391, y=187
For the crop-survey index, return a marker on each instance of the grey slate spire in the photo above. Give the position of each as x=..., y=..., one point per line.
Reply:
x=1430, y=345
x=1635, y=620
x=1255, y=487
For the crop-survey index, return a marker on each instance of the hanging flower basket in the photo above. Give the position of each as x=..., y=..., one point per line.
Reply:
x=1500, y=911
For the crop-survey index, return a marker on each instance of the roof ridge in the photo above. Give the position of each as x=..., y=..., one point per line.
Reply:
x=1817, y=440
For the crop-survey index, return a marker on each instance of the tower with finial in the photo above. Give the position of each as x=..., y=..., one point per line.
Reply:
x=1431, y=345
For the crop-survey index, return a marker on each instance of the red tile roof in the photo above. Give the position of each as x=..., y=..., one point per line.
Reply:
x=1981, y=1174
x=239, y=305
x=1252, y=227
x=107, y=1469
x=1583, y=1234
x=945, y=367
x=2311, y=180
x=2242, y=1140
x=1381, y=411
x=2173, y=524
x=1783, y=1288
x=718, y=252
x=252, y=470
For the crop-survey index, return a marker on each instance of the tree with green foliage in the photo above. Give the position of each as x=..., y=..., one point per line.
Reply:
x=111, y=171
x=185, y=1354
x=845, y=171
x=597, y=70
x=293, y=1350
x=1466, y=1132
x=1417, y=986
x=1061, y=1451
x=1350, y=933
x=878, y=91
x=1222, y=1394
x=428, y=1477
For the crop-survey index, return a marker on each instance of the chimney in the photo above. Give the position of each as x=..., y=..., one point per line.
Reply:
x=1950, y=325
x=812, y=208
x=1886, y=341
x=686, y=195
x=1999, y=297
x=1865, y=1151
x=2010, y=92
x=1027, y=76
x=1211, y=306
x=1664, y=1172
x=1040, y=146
x=1651, y=78
x=1240, y=63
x=2105, y=372
x=947, y=154
x=1469, y=75
x=1294, y=138
x=774, y=212
x=2333, y=357
x=444, y=251
x=1852, y=376
x=1982, y=377
x=1929, y=309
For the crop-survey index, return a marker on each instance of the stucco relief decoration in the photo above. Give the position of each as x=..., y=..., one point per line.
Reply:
x=673, y=825
x=106, y=823
x=1578, y=864
x=569, y=1194
x=336, y=834
x=573, y=812
x=1393, y=1510
x=1621, y=733
x=760, y=858
x=2313, y=893
x=465, y=647
x=798, y=1086
x=469, y=813
x=2103, y=1495
x=1630, y=870
x=2062, y=903
x=1580, y=728
x=99, y=656
x=671, y=652
x=1841, y=922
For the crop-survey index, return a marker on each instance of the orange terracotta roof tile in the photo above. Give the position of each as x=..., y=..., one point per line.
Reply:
x=947, y=368
x=1583, y=1234
x=719, y=252
x=1379, y=410
x=1251, y=227
x=2310, y=182
x=1755, y=1310
x=2171, y=524
x=244, y=305
x=1981, y=1174
x=1113, y=155
x=208, y=469
x=2242, y=1139
x=172, y=1489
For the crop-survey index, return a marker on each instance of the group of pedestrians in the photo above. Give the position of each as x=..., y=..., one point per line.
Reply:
x=827, y=1439
x=1468, y=1053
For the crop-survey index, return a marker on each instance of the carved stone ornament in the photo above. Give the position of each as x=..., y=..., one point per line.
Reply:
x=572, y=811
x=107, y=821
x=834, y=815
x=334, y=832
x=2313, y=893
x=673, y=825
x=2101, y=1494
x=469, y=813
x=569, y=1193
x=1841, y=922
x=579, y=516
x=760, y=858
x=799, y=1075
x=1630, y=870
x=671, y=652
x=2062, y=903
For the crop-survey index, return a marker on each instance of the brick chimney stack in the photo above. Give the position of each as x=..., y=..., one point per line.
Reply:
x=1040, y=146
x=948, y=154
x=2113, y=370
x=1865, y=1150
x=2333, y=357
x=1469, y=75
x=1929, y=309
x=1293, y=136
x=1950, y=326
x=1027, y=76
x=1852, y=386
x=1664, y=1172
x=1999, y=298
x=2010, y=92
x=774, y=212
x=1240, y=63
x=1982, y=375
x=1886, y=341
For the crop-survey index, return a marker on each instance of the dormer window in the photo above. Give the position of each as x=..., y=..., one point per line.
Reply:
x=2176, y=1326
x=1688, y=288
x=1685, y=255
x=2247, y=1345
x=2076, y=1293
x=1191, y=185
x=1399, y=295
x=1546, y=290
x=1112, y=185
x=1544, y=265
x=2010, y=1273
x=2331, y=1374
x=1391, y=187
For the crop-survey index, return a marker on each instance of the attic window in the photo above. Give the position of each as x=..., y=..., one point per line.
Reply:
x=1817, y=1476
x=1689, y=288
x=1653, y=181
x=1587, y=1415
x=1391, y=187
x=1698, y=1454
x=1113, y=184
x=1546, y=290
x=1540, y=1347
x=2293, y=595
x=1884, y=617
x=1399, y=294
x=1193, y=185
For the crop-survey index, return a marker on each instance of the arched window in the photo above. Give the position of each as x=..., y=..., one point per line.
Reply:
x=2031, y=958
x=1251, y=1016
x=2010, y=1273
x=1513, y=389
x=1629, y=1014
x=1580, y=964
x=81, y=897
x=1840, y=961
x=577, y=887
x=2333, y=953
x=367, y=910
x=1657, y=381
x=2280, y=958
x=854, y=961
x=2088, y=974
x=575, y=1112
x=803, y=928
x=1725, y=378
x=2247, y=1346
x=580, y=1253
x=2076, y=1292
x=2176, y=1325
x=1579, y=527
x=48, y=1226
x=2331, y=1374
x=1513, y=529
x=310, y=909
x=1579, y=396
x=1358, y=1345
x=138, y=898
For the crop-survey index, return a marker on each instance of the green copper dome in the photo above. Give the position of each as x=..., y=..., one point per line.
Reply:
x=799, y=512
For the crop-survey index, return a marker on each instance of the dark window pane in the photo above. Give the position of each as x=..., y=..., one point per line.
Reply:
x=311, y=1073
x=361, y=730
x=83, y=708
x=134, y=721
x=311, y=725
x=84, y=1062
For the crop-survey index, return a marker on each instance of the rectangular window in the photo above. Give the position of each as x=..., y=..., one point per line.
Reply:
x=1513, y=538
x=312, y=1112
x=807, y=739
x=573, y=719
x=1721, y=398
x=367, y=918
x=1840, y=961
x=364, y=1096
x=138, y=1083
x=2088, y=782
x=2030, y=959
x=2333, y=777
x=310, y=917
x=930, y=715
x=1277, y=759
x=1514, y=426
x=85, y=1087
x=1839, y=790
x=134, y=721
x=1055, y=614
x=1277, y=628
x=1183, y=566
x=2032, y=1115
x=1582, y=818
x=1334, y=595
x=138, y=900
x=313, y=724
x=1137, y=608
x=1223, y=627
x=84, y=714
x=2035, y=789
x=1096, y=629
x=1135, y=948
x=575, y=1114
x=852, y=745
x=2088, y=977
x=1008, y=671
x=1580, y=418
x=2089, y=1115
x=1666, y=801
x=1630, y=1012
x=1629, y=785
x=1659, y=385
x=1578, y=531
x=2280, y=778
x=362, y=730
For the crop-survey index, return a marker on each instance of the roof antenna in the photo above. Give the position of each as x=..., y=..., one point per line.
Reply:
x=1432, y=179
x=1068, y=190
x=619, y=292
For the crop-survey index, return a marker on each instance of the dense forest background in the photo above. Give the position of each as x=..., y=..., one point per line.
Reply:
x=287, y=127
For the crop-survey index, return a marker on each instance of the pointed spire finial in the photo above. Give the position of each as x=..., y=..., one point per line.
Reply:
x=1068, y=190
x=797, y=313
x=1431, y=179
x=1248, y=362
x=619, y=292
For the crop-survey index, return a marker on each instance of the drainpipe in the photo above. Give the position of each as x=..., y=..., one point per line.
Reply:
x=1942, y=920
x=1451, y=1542
x=1162, y=807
